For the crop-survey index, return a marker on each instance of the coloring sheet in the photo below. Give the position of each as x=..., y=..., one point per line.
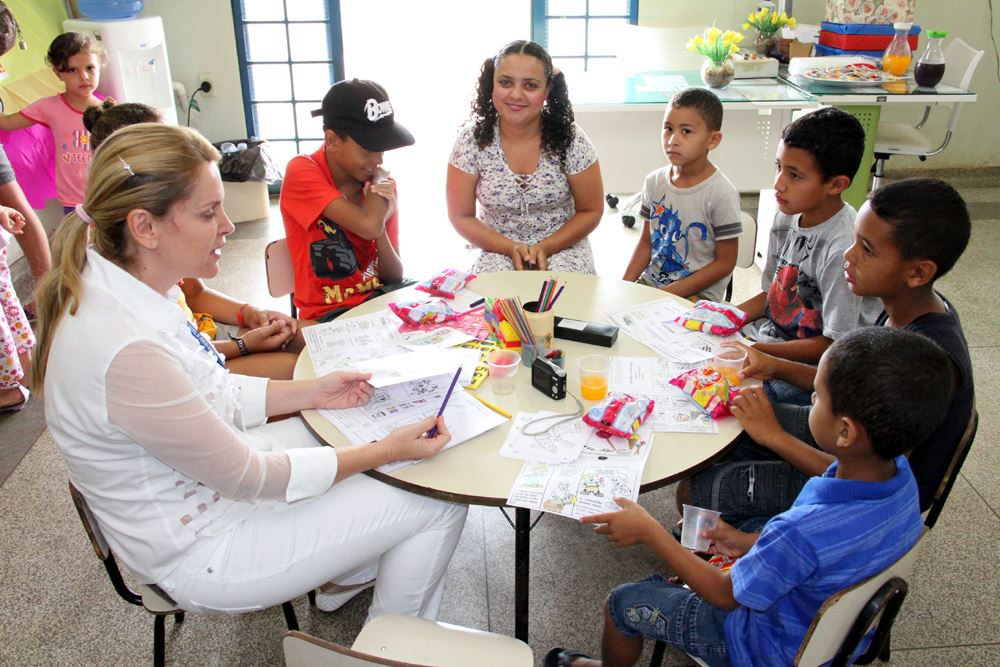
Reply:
x=653, y=325
x=443, y=337
x=402, y=404
x=605, y=470
x=410, y=366
x=673, y=411
x=345, y=342
x=560, y=444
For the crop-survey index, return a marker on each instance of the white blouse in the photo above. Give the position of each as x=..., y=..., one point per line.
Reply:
x=158, y=436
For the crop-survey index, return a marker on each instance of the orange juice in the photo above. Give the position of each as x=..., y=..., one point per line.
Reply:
x=895, y=65
x=593, y=387
x=730, y=373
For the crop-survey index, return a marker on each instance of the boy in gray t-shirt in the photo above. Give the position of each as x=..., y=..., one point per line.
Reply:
x=690, y=210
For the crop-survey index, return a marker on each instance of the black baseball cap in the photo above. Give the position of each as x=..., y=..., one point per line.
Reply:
x=361, y=110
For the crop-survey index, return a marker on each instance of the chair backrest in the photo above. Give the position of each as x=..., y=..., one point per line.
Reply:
x=747, y=242
x=836, y=618
x=961, y=61
x=302, y=650
x=280, y=272
x=97, y=540
x=957, y=460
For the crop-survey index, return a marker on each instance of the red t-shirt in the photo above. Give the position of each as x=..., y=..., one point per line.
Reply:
x=334, y=268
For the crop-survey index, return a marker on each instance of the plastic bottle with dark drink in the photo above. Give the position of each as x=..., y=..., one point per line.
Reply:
x=930, y=66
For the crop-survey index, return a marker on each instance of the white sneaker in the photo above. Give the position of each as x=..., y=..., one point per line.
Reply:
x=332, y=601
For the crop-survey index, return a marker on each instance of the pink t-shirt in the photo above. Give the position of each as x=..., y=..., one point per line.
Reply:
x=71, y=141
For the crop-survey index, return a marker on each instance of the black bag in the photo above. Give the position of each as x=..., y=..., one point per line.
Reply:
x=253, y=163
x=10, y=31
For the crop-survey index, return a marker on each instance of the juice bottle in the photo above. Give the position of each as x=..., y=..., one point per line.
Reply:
x=593, y=387
x=930, y=67
x=897, y=56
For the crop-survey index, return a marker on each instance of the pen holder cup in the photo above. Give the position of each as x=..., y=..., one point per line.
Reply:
x=529, y=353
x=542, y=325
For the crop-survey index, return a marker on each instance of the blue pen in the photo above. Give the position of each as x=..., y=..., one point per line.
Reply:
x=434, y=431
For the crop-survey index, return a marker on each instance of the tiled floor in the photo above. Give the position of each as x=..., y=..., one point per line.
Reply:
x=56, y=606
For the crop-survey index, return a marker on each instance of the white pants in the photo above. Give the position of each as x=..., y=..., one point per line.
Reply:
x=358, y=529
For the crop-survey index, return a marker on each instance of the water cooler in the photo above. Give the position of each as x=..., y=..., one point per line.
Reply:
x=137, y=69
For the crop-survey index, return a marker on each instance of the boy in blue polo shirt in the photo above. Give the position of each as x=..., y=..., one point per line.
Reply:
x=878, y=391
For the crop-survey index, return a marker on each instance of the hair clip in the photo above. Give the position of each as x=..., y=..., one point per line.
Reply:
x=126, y=166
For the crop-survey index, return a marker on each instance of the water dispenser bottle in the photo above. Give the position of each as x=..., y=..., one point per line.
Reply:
x=930, y=66
x=897, y=56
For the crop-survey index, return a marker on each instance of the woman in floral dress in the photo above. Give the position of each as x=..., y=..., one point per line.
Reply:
x=532, y=171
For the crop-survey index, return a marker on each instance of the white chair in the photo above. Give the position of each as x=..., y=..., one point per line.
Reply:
x=280, y=272
x=902, y=139
x=405, y=641
x=747, y=245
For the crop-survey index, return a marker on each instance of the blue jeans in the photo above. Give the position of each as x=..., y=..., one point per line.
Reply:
x=779, y=391
x=673, y=614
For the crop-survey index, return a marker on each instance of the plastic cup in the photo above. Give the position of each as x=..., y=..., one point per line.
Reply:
x=541, y=325
x=696, y=521
x=503, y=365
x=594, y=370
x=729, y=361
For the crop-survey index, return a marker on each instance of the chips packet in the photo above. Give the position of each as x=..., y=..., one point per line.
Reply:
x=716, y=318
x=709, y=389
x=619, y=414
x=447, y=283
x=431, y=311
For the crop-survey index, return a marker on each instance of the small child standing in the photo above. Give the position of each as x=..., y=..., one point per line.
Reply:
x=77, y=60
x=878, y=392
x=690, y=210
x=16, y=339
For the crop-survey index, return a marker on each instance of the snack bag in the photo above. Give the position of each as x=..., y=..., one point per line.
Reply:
x=720, y=319
x=431, y=311
x=447, y=283
x=708, y=389
x=619, y=414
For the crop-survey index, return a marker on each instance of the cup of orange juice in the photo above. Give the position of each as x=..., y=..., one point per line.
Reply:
x=594, y=370
x=728, y=361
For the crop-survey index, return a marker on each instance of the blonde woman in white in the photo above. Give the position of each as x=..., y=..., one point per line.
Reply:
x=194, y=492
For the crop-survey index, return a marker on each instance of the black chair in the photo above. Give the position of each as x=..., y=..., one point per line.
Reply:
x=150, y=597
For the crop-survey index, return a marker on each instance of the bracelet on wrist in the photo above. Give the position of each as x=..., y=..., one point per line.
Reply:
x=241, y=344
x=241, y=315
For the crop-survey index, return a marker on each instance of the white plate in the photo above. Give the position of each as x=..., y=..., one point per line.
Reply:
x=830, y=76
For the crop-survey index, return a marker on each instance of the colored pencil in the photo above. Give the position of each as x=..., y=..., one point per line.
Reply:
x=498, y=410
x=553, y=302
x=434, y=431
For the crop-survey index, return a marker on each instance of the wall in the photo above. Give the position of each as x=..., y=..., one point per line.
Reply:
x=976, y=142
x=200, y=38
x=40, y=21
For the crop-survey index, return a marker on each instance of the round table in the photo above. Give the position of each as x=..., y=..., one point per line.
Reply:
x=473, y=472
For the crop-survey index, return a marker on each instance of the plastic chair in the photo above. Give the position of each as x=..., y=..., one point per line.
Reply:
x=405, y=641
x=957, y=460
x=154, y=600
x=280, y=272
x=747, y=244
x=902, y=139
x=846, y=617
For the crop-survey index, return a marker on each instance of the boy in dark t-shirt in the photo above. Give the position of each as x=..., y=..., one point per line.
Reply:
x=908, y=234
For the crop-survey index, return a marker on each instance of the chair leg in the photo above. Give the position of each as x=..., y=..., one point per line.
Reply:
x=179, y=617
x=657, y=658
x=312, y=597
x=290, y=620
x=159, y=641
x=878, y=173
x=886, y=653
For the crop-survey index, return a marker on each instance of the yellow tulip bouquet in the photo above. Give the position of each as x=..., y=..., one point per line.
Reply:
x=767, y=22
x=715, y=44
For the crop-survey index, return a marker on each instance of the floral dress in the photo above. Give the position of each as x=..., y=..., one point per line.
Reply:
x=526, y=208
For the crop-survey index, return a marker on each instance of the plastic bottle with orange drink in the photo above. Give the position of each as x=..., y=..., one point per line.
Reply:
x=897, y=57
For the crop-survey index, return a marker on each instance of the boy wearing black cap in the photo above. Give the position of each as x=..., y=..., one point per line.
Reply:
x=339, y=205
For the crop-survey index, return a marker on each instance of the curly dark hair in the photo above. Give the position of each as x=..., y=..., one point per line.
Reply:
x=102, y=120
x=557, y=114
x=68, y=44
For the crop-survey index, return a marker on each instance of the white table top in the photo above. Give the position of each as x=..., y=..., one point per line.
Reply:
x=473, y=472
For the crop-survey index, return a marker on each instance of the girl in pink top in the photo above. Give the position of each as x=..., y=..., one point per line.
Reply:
x=77, y=60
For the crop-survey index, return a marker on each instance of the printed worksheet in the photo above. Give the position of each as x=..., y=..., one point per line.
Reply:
x=653, y=325
x=560, y=444
x=607, y=469
x=410, y=366
x=402, y=404
x=443, y=337
x=346, y=342
x=673, y=410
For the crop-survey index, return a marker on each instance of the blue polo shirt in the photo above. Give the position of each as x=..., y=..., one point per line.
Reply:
x=836, y=533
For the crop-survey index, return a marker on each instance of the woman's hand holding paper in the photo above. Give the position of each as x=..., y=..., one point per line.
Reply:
x=342, y=389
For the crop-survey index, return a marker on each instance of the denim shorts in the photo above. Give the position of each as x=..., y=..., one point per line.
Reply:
x=753, y=483
x=673, y=614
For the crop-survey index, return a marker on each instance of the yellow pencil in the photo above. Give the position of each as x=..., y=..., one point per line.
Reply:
x=499, y=411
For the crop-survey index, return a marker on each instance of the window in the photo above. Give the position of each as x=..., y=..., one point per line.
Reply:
x=290, y=52
x=581, y=35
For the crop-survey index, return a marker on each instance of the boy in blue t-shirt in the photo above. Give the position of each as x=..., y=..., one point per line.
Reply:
x=690, y=210
x=878, y=391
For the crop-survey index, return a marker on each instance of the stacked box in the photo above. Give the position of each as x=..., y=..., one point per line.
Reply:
x=856, y=39
x=870, y=11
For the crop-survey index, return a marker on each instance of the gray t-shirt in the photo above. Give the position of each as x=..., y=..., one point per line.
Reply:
x=685, y=224
x=807, y=294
